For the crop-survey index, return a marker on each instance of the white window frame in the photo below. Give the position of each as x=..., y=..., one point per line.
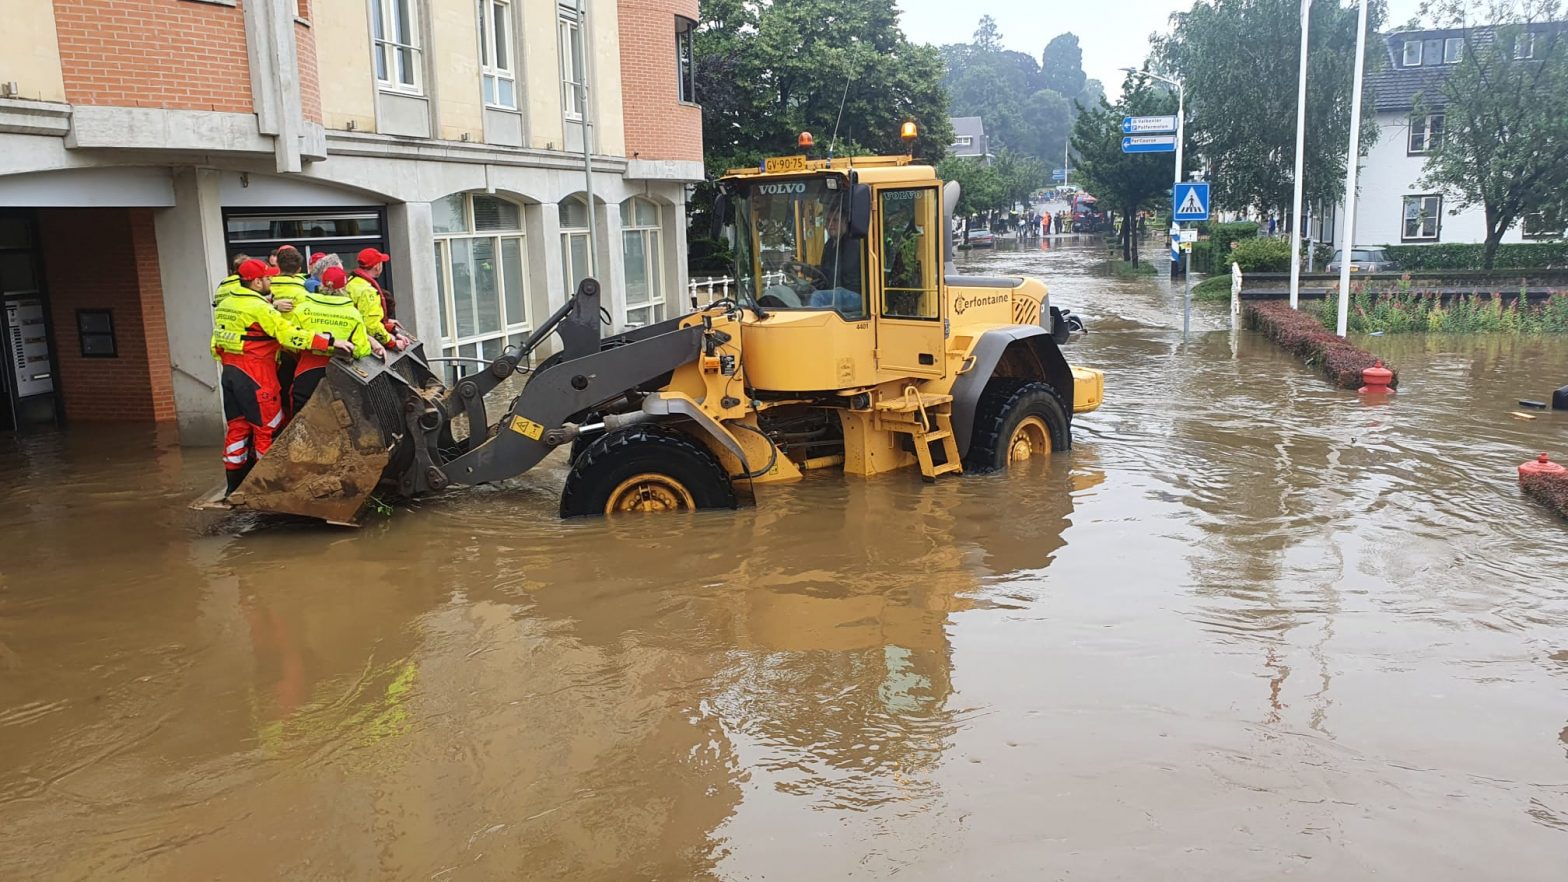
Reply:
x=1433, y=217
x=386, y=49
x=570, y=29
x=1524, y=46
x=1423, y=126
x=685, y=60
x=568, y=235
x=653, y=259
x=1455, y=47
x=491, y=40
x=1412, y=59
x=510, y=326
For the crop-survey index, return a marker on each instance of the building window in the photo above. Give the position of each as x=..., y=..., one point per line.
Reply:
x=497, y=53
x=395, y=24
x=1426, y=133
x=1412, y=53
x=1524, y=46
x=1421, y=217
x=963, y=141
x=644, y=258
x=576, y=247
x=574, y=66
x=1453, y=50
x=1546, y=224
x=481, y=275
x=686, y=59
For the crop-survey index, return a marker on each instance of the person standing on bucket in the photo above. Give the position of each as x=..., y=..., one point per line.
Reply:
x=371, y=299
x=247, y=334
x=330, y=313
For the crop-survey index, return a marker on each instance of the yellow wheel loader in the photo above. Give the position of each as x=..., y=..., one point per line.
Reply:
x=850, y=343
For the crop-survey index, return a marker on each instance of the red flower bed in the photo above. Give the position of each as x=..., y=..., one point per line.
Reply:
x=1550, y=490
x=1300, y=332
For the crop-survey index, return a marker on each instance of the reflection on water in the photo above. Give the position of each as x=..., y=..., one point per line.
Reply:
x=1248, y=627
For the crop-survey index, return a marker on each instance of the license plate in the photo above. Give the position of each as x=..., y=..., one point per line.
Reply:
x=784, y=164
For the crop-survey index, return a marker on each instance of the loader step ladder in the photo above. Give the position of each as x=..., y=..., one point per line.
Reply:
x=927, y=419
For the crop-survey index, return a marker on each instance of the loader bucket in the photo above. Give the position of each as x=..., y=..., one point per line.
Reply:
x=343, y=445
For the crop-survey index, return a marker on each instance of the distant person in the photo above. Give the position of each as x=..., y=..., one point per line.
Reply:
x=1271, y=224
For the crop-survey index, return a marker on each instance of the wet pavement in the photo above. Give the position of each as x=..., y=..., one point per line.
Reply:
x=1249, y=628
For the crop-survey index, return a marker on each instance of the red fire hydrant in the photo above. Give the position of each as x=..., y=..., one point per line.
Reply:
x=1541, y=465
x=1376, y=379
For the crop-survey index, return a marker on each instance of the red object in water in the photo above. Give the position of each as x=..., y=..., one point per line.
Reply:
x=1541, y=465
x=1376, y=379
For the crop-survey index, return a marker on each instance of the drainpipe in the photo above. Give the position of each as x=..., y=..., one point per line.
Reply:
x=582, y=100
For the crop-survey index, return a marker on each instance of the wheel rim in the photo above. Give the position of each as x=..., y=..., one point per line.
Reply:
x=1031, y=438
x=649, y=491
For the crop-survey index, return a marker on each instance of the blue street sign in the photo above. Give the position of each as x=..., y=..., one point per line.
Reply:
x=1148, y=125
x=1059, y=174
x=1149, y=144
x=1191, y=202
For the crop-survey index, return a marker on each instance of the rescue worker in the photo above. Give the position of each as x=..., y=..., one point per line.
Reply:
x=371, y=299
x=246, y=336
x=231, y=283
x=288, y=289
x=319, y=265
x=330, y=313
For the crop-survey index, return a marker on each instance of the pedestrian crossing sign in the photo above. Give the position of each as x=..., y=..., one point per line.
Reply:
x=1191, y=202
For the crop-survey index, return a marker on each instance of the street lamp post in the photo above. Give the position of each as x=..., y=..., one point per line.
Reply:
x=1296, y=228
x=1181, y=141
x=1348, y=241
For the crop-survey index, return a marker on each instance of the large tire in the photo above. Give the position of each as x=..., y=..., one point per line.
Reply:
x=645, y=468
x=1010, y=420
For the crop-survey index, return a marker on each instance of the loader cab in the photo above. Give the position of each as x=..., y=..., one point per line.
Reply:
x=847, y=273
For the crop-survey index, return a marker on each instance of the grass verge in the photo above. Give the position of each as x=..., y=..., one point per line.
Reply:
x=1299, y=332
x=1212, y=288
x=1128, y=268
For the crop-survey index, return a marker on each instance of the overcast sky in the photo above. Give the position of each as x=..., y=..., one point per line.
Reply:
x=1113, y=33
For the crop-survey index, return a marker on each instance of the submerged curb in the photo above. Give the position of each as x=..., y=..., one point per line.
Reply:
x=1300, y=333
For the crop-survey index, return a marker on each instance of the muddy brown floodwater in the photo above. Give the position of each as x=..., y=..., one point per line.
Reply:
x=1249, y=628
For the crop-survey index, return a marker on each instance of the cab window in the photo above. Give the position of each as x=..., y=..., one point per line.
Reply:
x=909, y=238
x=794, y=250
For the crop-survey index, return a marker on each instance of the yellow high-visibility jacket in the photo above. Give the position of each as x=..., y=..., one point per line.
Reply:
x=244, y=323
x=288, y=287
x=334, y=316
x=368, y=300
x=230, y=285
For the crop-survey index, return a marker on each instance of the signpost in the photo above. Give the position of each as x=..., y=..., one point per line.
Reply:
x=1148, y=143
x=1148, y=125
x=1189, y=202
x=1059, y=175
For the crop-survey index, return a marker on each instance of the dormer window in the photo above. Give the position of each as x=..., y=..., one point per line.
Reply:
x=1453, y=50
x=1412, y=53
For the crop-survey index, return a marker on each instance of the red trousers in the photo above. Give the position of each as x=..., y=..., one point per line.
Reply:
x=253, y=407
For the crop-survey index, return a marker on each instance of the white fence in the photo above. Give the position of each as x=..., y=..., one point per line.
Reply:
x=706, y=290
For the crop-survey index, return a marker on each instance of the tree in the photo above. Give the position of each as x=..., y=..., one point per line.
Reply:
x=1238, y=59
x=1505, y=110
x=1061, y=66
x=979, y=188
x=1127, y=182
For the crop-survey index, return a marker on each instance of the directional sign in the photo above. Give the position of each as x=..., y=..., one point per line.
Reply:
x=1059, y=174
x=1191, y=202
x=1149, y=144
x=1148, y=125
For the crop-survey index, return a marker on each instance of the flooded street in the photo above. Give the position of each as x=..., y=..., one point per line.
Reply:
x=1250, y=627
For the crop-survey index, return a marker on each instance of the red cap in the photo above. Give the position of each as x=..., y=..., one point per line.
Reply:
x=371, y=257
x=254, y=269
x=334, y=277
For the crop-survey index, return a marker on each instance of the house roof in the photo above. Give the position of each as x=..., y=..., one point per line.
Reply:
x=1396, y=87
x=967, y=125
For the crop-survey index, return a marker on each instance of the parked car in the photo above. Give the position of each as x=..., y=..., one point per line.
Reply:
x=981, y=237
x=1364, y=260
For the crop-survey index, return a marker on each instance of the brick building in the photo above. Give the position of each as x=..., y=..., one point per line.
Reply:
x=143, y=143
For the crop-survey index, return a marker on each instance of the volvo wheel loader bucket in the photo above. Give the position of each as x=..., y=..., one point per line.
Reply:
x=345, y=444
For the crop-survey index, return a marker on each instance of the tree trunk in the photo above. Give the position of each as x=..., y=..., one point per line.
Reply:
x=1494, y=237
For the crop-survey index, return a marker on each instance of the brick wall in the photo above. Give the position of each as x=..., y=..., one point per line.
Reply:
x=107, y=258
x=305, y=52
x=177, y=54
x=658, y=125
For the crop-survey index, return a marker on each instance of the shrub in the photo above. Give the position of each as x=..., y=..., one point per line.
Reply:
x=1397, y=309
x=1300, y=332
x=1224, y=234
x=1260, y=255
x=1550, y=490
x=1462, y=256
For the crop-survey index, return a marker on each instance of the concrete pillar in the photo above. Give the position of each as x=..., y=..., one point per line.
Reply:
x=546, y=272
x=411, y=242
x=610, y=264
x=673, y=221
x=192, y=261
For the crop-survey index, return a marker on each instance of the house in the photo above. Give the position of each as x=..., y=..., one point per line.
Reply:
x=1392, y=207
x=969, y=138
x=144, y=143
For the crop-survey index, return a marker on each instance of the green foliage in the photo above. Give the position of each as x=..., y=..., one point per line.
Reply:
x=1127, y=268
x=1269, y=255
x=1216, y=287
x=1126, y=182
x=1224, y=234
x=1396, y=309
x=1201, y=258
x=1469, y=256
x=994, y=187
x=1239, y=61
x=1505, y=145
x=1027, y=107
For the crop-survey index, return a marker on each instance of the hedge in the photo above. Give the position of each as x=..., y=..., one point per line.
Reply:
x=1549, y=490
x=1461, y=256
x=1261, y=255
x=1298, y=331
